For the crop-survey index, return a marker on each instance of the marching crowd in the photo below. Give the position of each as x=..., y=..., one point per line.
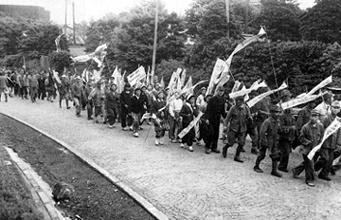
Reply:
x=269, y=127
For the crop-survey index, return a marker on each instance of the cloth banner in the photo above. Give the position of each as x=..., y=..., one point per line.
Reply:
x=183, y=78
x=331, y=129
x=188, y=88
x=245, y=91
x=190, y=126
x=162, y=83
x=57, y=41
x=136, y=76
x=299, y=101
x=56, y=76
x=258, y=98
x=218, y=68
x=321, y=85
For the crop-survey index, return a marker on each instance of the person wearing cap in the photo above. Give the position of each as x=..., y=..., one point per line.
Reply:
x=112, y=101
x=237, y=118
x=311, y=135
x=326, y=153
x=287, y=133
x=158, y=118
x=214, y=111
x=136, y=108
x=33, y=83
x=97, y=100
x=64, y=91
x=125, y=102
x=269, y=140
x=187, y=114
x=76, y=93
x=325, y=106
x=175, y=106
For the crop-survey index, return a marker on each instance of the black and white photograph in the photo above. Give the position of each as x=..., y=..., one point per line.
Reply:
x=170, y=109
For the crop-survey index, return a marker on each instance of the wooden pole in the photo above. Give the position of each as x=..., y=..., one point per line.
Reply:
x=246, y=16
x=155, y=41
x=227, y=4
x=74, y=23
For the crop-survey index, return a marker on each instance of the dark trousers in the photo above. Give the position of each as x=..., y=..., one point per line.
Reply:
x=126, y=120
x=325, y=161
x=89, y=108
x=213, y=135
x=189, y=137
x=285, y=150
x=204, y=132
x=41, y=93
x=33, y=93
x=111, y=116
x=307, y=166
x=174, y=128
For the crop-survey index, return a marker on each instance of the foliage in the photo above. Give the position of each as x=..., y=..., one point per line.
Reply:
x=280, y=18
x=167, y=67
x=60, y=60
x=323, y=22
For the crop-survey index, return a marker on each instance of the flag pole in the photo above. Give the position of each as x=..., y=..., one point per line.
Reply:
x=155, y=41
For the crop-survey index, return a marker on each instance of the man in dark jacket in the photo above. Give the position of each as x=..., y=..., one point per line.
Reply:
x=125, y=100
x=111, y=105
x=215, y=109
x=237, y=118
x=136, y=108
x=269, y=140
x=76, y=91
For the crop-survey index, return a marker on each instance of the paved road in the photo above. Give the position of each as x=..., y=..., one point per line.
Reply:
x=182, y=184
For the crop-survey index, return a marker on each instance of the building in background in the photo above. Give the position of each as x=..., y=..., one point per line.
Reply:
x=29, y=12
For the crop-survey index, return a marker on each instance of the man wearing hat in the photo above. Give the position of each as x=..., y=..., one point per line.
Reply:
x=311, y=135
x=215, y=109
x=287, y=133
x=269, y=140
x=64, y=91
x=326, y=153
x=76, y=91
x=237, y=118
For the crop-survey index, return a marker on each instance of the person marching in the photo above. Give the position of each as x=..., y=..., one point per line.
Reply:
x=269, y=140
x=33, y=83
x=63, y=90
x=158, y=118
x=287, y=133
x=3, y=85
x=187, y=114
x=76, y=90
x=311, y=135
x=174, y=123
x=237, y=118
x=125, y=101
x=326, y=153
x=89, y=102
x=112, y=100
x=136, y=108
x=214, y=110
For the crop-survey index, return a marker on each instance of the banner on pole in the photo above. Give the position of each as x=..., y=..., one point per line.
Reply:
x=258, y=98
x=190, y=126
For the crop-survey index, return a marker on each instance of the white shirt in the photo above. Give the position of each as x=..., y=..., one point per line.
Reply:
x=324, y=109
x=175, y=106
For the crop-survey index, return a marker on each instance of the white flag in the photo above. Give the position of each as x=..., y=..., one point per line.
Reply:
x=136, y=76
x=321, y=85
x=258, y=98
x=331, y=129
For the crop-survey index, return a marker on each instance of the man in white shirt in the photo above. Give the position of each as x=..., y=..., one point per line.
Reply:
x=174, y=120
x=324, y=108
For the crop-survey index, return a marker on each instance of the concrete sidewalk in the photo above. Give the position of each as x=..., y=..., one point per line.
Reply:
x=182, y=184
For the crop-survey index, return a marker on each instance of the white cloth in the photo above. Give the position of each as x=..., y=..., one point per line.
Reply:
x=175, y=106
x=324, y=109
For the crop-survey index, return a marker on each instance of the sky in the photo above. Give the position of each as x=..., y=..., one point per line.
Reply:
x=87, y=10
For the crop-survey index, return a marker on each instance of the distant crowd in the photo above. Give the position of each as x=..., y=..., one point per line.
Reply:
x=270, y=128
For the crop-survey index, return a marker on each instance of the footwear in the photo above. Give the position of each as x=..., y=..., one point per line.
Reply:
x=326, y=178
x=136, y=134
x=125, y=129
x=224, y=153
x=208, y=151
x=257, y=169
x=190, y=148
x=237, y=159
x=156, y=143
x=68, y=107
x=294, y=174
x=198, y=143
x=182, y=145
x=283, y=170
x=161, y=141
x=311, y=184
x=216, y=151
x=173, y=141
x=111, y=126
x=254, y=151
x=131, y=128
x=275, y=173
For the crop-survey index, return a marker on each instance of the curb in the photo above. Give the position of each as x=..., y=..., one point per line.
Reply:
x=40, y=190
x=137, y=197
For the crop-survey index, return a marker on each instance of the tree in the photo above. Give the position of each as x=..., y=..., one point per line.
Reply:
x=281, y=19
x=60, y=60
x=323, y=22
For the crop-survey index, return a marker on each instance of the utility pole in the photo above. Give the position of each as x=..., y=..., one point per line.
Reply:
x=65, y=25
x=227, y=4
x=155, y=40
x=74, y=23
